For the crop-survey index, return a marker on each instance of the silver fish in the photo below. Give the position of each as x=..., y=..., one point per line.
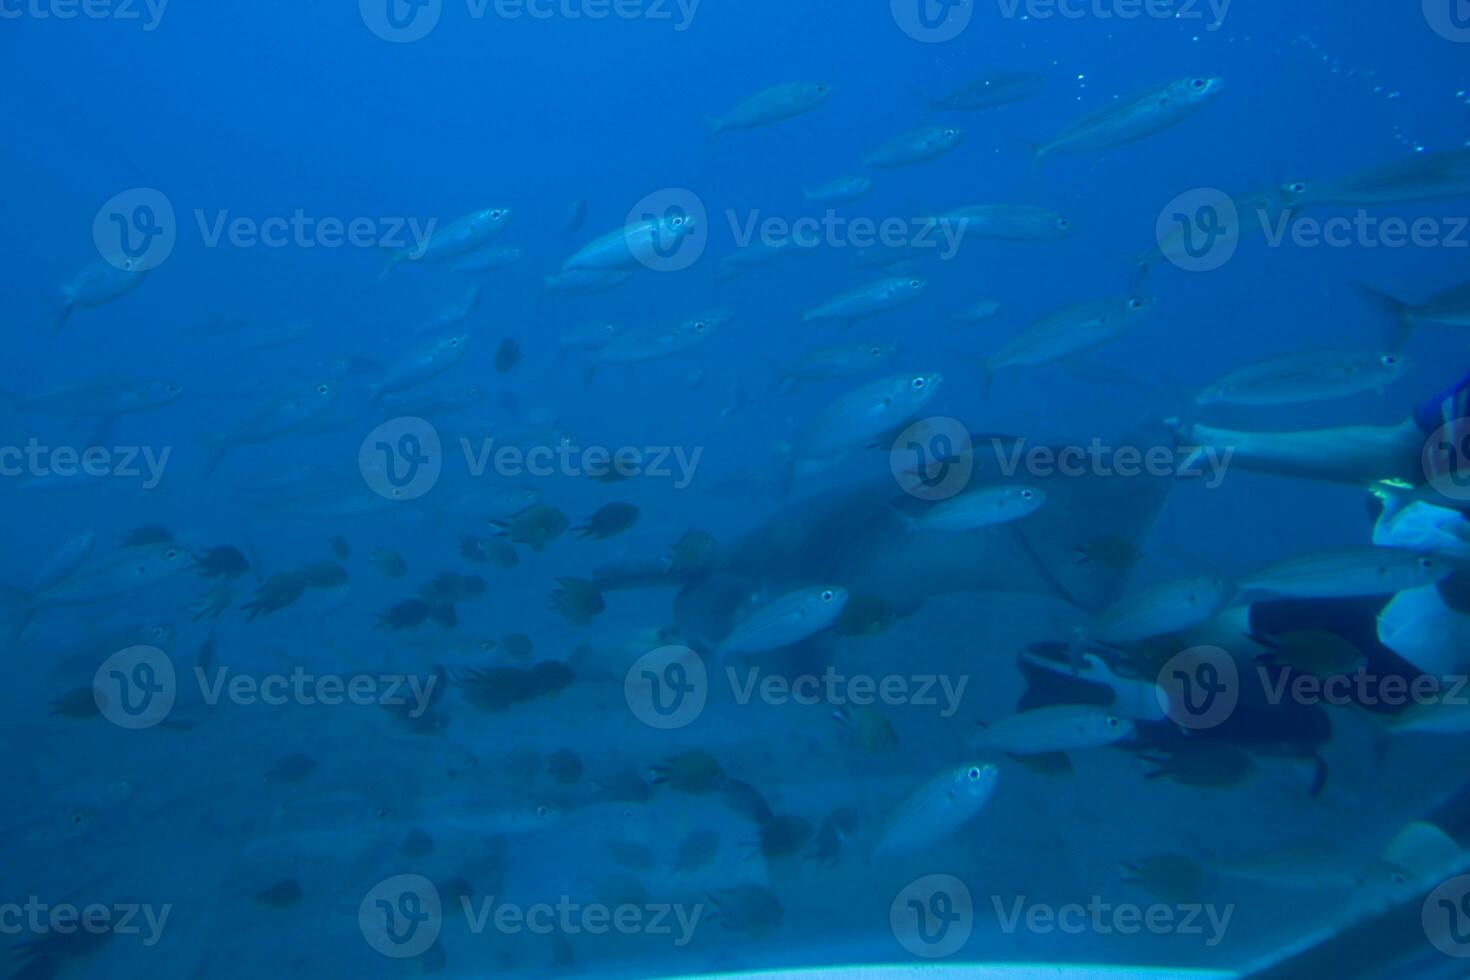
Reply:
x=423, y=364
x=919, y=146
x=990, y=92
x=98, y=284
x=1058, y=728
x=635, y=244
x=463, y=236
x=295, y=409
x=654, y=341
x=1166, y=608
x=588, y=336
x=843, y=190
x=1422, y=177
x=982, y=310
x=452, y=315
x=786, y=621
x=586, y=282
x=1347, y=573
x=1133, y=119
x=937, y=809
x=1450, y=308
x=833, y=363
x=753, y=256
x=1070, y=331
x=1306, y=377
x=868, y=300
x=981, y=508
x=773, y=105
x=429, y=403
x=103, y=398
x=489, y=260
x=857, y=418
x=1007, y=222
x=118, y=574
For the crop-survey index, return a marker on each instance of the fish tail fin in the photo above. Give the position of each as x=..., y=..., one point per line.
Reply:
x=1402, y=323
x=62, y=316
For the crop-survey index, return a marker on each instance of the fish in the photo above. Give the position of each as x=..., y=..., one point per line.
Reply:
x=1070, y=331
x=937, y=809
x=536, y=526
x=1133, y=119
x=291, y=411
x=489, y=260
x=100, y=283
x=1423, y=177
x=426, y=404
x=753, y=256
x=857, y=418
x=1307, y=377
x=389, y=562
x=63, y=562
x=832, y=364
x=507, y=355
x=1444, y=716
x=920, y=146
x=1006, y=222
x=1318, y=653
x=868, y=727
x=869, y=299
x=420, y=365
x=1311, y=865
x=696, y=773
x=452, y=315
x=1347, y=572
x=1169, y=607
x=639, y=345
x=586, y=282
x=979, y=508
x=841, y=190
x=100, y=399
x=465, y=235
x=989, y=92
x=1450, y=308
x=785, y=621
x=748, y=909
x=638, y=243
x=119, y=574
x=587, y=336
x=1058, y=728
x=609, y=520
x=577, y=600
x=773, y=105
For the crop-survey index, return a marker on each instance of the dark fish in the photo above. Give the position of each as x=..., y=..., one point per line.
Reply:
x=409, y=614
x=276, y=593
x=283, y=894
x=784, y=836
x=696, y=773
x=990, y=92
x=341, y=550
x=534, y=527
x=417, y=844
x=500, y=688
x=565, y=767
x=697, y=850
x=608, y=521
x=147, y=534
x=390, y=563
x=578, y=600
x=222, y=562
x=508, y=355
x=624, y=786
x=291, y=769
x=747, y=801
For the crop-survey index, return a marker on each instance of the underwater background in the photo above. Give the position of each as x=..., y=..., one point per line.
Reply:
x=250, y=838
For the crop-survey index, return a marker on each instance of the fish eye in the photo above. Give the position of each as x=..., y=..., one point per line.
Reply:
x=323, y=389
x=1426, y=563
x=454, y=342
x=918, y=384
x=543, y=811
x=876, y=351
x=1135, y=304
x=1112, y=723
x=1197, y=84
x=973, y=774
x=1297, y=187
x=1063, y=223
x=1027, y=494
x=914, y=284
x=699, y=326
x=951, y=133
x=171, y=554
x=1388, y=360
x=497, y=214
x=827, y=595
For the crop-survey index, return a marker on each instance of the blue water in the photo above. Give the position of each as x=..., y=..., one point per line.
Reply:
x=269, y=110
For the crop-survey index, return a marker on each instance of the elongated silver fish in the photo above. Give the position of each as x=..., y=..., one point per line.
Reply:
x=1306, y=377
x=1347, y=573
x=773, y=105
x=990, y=92
x=463, y=236
x=1057, y=728
x=1068, y=332
x=843, y=190
x=421, y=365
x=425, y=404
x=981, y=508
x=1133, y=119
x=833, y=363
x=649, y=343
x=869, y=299
x=288, y=412
x=586, y=282
x=1007, y=222
x=489, y=260
x=1169, y=607
x=937, y=809
x=920, y=146
x=635, y=244
x=117, y=574
x=1423, y=177
x=786, y=621
x=1450, y=308
x=857, y=418
x=98, y=284
x=451, y=315
x=753, y=256
x=103, y=398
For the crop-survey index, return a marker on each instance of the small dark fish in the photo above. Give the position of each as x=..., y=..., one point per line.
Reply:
x=283, y=894
x=341, y=550
x=79, y=703
x=409, y=614
x=624, y=786
x=508, y=355
x=500, y=688
x=517, y=646
x=291, y=769
x=747, y=801
x=565, y=767
x=535, y=526
x=276, y=593
x=750, y=909
x=1115, y=552
x=452, y=587
x=324, y=575
x=223, y=562
x=784, y=836
x=390, y=563
x=141, y=537
x=1207, y=763
x=691, y=554
x=578, y=600
x=634, y=857
x=204, y=660
x=837, y=826
x=697, y=850
x=990, y=92
x=608, y=521
x=696, y=773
